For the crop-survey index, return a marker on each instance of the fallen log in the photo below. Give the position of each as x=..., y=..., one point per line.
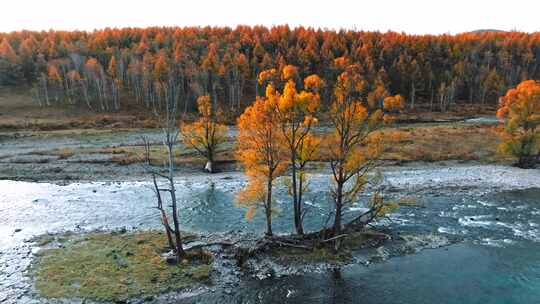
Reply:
x=293, y=245
x=334, y=238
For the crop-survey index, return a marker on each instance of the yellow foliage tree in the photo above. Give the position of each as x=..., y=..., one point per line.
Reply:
x=260, y=153
x=520, y=110
x=354, y=147
x=295, y=112
x=7, y=52
x=205, y=135
x=393, y=103
x=161, y=67
x=377, y=97
x=267, y=76
x=289, y=72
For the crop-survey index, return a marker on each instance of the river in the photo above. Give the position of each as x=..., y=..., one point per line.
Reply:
x=492, y=211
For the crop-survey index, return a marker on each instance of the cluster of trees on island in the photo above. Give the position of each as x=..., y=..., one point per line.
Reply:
x=107, y=70
x=276, y=140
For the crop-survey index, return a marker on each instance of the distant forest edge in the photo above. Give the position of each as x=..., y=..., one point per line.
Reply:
x=113, y=69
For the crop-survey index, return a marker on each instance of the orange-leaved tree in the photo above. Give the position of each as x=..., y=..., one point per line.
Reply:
x=520, y=110
x=205, y=135
x=260, y=153
x=354, y=146
x=296, y=115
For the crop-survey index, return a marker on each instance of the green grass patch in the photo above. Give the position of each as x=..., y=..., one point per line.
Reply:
x=325, y=253
x=115, y=267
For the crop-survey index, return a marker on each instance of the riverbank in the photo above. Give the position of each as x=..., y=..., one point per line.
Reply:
x=117, y=154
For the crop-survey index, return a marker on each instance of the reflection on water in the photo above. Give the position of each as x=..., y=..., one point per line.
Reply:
x=497, y=262
x=463, y=273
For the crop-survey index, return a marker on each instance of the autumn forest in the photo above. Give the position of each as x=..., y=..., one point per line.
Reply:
x=107, y=70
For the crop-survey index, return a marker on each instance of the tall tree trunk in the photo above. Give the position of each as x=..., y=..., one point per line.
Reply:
x=339, y=206
x=212, y=90
x=268, y=207
x=166, y=224
x=296, y=202
x=413, y=95
x=179, y=250
x=209, y=166
x=256, y=88
x=431, y=100
x=300, y=197
x=46, y=91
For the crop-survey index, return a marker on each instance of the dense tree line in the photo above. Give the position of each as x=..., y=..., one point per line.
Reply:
x=108, y=69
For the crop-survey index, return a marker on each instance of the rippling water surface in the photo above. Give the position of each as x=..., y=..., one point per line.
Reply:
x=493, y=211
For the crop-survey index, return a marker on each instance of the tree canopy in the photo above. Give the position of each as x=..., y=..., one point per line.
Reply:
x=102, y=67
x=520, y=110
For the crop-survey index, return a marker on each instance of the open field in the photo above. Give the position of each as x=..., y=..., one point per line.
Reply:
x=451, y=141
x=65, y=144
x=83, y=153
x=19, y=111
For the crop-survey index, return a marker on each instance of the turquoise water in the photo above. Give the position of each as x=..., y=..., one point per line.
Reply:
x=496, y=258
x=462, y=273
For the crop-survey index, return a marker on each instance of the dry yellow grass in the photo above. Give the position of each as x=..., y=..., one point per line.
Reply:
x=61, y=153
x=429, y=142
x=406, y=143
x=64, y=153
x=443, y=142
